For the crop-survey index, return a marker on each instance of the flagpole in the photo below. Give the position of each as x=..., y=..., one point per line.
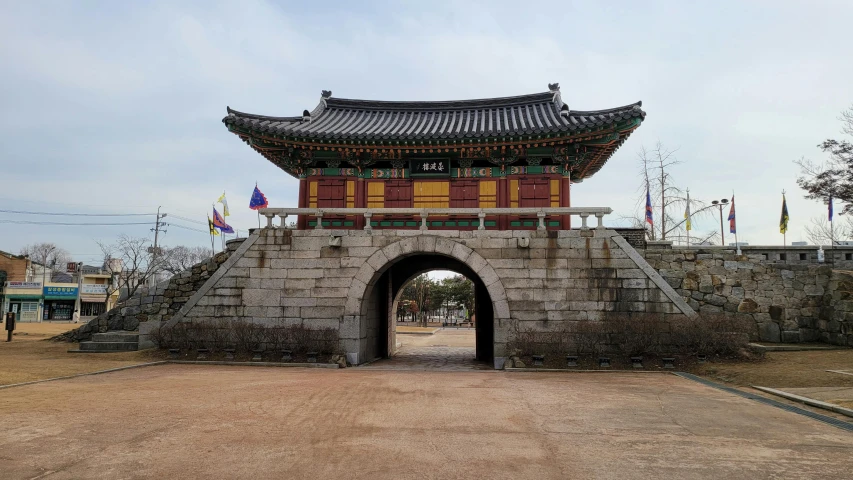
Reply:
x=212, y=247
x=737, y=245
x=785, y=233
x=689, y=213
x=258, y=211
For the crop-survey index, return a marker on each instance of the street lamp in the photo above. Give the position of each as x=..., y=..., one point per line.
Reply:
x=719, y=204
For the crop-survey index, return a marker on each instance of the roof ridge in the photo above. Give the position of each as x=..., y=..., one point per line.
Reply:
x=333, y=102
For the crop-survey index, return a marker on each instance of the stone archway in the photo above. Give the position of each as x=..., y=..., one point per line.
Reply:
x=358, y=309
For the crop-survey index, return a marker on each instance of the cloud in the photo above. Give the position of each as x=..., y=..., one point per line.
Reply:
x=117, y=105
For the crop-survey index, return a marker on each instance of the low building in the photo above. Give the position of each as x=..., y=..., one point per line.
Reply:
x=56, y=300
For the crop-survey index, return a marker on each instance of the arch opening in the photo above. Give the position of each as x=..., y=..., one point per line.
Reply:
x=381, y=301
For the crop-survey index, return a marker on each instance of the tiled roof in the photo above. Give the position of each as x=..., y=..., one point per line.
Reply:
x=346, y=119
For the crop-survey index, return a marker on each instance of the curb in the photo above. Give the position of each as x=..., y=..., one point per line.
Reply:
x=566, y=370
x=253, y=364
x=844, y=425
x=806, y=400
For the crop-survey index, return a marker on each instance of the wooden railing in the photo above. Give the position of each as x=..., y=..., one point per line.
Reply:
x=480, y=214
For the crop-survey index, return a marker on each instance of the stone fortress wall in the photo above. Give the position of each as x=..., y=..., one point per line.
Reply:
x=791, y=296
x=323, y=278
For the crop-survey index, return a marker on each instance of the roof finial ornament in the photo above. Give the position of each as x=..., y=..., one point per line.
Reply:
x=306, y=116
x=326, y=93
x=553, y=87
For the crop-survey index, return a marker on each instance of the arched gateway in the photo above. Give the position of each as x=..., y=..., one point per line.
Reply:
x=370, y=304
x=390, y=189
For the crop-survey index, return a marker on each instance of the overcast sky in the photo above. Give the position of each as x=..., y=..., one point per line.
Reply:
x=116, y=107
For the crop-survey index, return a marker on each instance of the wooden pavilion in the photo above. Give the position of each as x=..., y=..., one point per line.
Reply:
x=510, y=152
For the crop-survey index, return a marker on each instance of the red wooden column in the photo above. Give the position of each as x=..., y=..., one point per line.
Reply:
x=360, y=200
x=503, y=201
x=565, y=201
x=302, y=220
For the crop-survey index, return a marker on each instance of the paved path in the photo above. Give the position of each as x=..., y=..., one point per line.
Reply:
x=449, y=349
x=199, y=421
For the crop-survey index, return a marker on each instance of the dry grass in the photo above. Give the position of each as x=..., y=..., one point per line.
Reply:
x=785, y=369
x=39, y=331
x=30, y=356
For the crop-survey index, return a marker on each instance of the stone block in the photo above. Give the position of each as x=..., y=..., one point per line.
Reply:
x=426, y=244
x=377, y=260
x=630, y=273
x=314, y=312
x=305, y=273
x=365, y=274
x=461, y=252
x=392, y=251
x=261, y=297
x=635, y=283
x=769, y=332
x=298, y=301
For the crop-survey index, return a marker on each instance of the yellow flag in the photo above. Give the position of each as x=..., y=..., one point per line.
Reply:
x=224, y=203
x=210, y=225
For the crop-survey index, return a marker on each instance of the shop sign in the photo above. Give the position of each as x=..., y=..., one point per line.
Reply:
x=430, y=167
x=36, y=285
x=94, y=289
x=65, y=292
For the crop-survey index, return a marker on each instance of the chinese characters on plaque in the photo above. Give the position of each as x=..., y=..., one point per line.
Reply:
x=431, y=167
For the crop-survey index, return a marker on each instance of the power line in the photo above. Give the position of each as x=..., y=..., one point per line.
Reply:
x=26, y=222
x=188, y=219
x=79, y=214
x=189, y=228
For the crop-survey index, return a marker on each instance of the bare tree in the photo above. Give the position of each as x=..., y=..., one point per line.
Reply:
x=130, y=264
x=48, y=255
x=180, y=258
x=668, y=200
x=820, y=232
x=847, y=121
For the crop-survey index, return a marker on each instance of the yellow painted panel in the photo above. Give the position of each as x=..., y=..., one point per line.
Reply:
x=350, y=194
x=376, y=188
x=312, y=194
x=488, y=194
x=488, y=187
x=375, y=195
x=513, y=193
x=555, y=193
x=431, y=194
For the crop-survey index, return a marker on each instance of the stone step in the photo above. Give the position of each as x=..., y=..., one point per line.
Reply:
x=108, y=346
x=116, y=337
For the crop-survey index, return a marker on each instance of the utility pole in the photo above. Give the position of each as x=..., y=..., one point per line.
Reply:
x=155, y=250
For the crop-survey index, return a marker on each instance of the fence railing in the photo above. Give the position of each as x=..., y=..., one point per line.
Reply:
x=426, y=213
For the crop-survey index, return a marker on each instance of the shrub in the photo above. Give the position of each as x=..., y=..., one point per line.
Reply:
x=246, y=337
x=589, y=337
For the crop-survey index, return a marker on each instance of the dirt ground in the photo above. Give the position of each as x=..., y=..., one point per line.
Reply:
x=30, y=356
x=191, y=421
x=785, y=369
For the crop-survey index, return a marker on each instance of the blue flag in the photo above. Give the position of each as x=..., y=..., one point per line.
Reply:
x=732, y=221
x=258, y=200
x=219, y=223
x=830, y=207
x=649, y=207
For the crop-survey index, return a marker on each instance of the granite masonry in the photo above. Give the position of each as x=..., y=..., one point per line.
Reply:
x=537, y=279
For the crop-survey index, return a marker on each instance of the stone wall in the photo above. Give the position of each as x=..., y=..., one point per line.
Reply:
x=835, y=321
x=788, y=301
x=324, y=278
x=152, y=304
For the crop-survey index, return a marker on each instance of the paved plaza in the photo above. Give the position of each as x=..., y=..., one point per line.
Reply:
x=447, y=349
x=195, y=421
